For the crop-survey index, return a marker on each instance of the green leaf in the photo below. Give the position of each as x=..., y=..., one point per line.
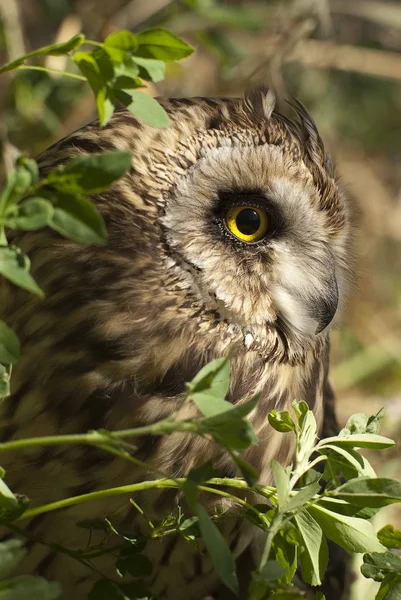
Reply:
x=281, y=421
x=218, y=550
x=230, y=428
x=360, y=464
x=286, y=553
x=162, y=44
x=300, y=409
x=17, y=184
x=215, y=374
x=52, y=50
x=11, y=554
x=303, y=496
x=361, y=440
x=366, y=491
x=147, y=109
x=377, y=565
x=390, y=588
x=345, y=508
x=105, y=105
x=29, y=588
x=362, y=423
x=352, y=534
x=306, y=439
x=125, y=82
x=91, y=173
x=314, y=554
x=229, y=431
x=88, y=66
x=14, y=265
x=98, y=64
x=210, y=386
x=30, y=165
x=151, y=69
x=30, y=215
x=77, y=218
x=282, y=480
x=136, y=565
x=121, y=44
x=98, y=69
x=390, y=537
x=9, y=345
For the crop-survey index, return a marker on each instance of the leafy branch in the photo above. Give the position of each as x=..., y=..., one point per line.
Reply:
x=116, y=69
x=303, y=509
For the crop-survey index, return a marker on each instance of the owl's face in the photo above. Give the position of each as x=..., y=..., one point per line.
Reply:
x=229, y=229
x=259, y=229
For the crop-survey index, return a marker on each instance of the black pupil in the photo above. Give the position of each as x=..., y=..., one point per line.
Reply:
x=248, y=221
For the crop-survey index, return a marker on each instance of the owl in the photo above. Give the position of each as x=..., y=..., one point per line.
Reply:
x=229, y=231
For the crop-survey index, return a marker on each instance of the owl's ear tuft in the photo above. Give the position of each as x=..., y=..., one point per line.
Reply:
x=260, y=102
x=312, y=140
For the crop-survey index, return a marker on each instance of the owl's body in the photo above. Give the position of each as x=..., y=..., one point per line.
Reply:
x=124, y=326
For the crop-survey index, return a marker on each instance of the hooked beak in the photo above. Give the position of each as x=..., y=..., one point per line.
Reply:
x=325, y=307
x=306, y=294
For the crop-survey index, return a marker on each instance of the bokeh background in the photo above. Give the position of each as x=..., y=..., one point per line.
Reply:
x=342, y=58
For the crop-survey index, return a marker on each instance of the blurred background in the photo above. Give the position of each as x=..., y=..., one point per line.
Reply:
x=342, y=58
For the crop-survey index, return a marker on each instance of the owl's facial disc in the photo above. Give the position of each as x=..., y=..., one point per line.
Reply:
x=305, y=290
x=250, y=239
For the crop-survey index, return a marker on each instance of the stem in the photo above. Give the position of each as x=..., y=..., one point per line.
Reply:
x=97, y=438
x=315, y=462
x=116, y=491
x=93, y=43
x=47, y=70
x=146, y=485
x=273, y=529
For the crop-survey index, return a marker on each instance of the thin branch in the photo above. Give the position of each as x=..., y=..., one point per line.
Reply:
x=97, y=438
x=264, y=491
x=48, y=70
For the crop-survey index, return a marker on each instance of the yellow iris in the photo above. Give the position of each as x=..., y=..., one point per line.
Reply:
x=247, y=223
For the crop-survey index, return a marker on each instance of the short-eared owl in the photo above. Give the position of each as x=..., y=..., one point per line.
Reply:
x=229, y=230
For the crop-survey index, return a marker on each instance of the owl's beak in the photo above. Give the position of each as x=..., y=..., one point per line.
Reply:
x=306, y=297
x=325, y=307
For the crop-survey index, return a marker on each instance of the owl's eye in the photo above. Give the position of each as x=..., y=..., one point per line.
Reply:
x=247, y=223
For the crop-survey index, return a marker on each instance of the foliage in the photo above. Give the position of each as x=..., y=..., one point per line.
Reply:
x=303, y=509
x=117, y=68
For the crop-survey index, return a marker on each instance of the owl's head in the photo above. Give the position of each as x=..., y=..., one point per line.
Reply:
x=257, y=226
x=230, y=228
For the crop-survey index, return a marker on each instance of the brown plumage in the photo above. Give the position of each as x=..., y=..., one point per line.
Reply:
x=124, y=326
